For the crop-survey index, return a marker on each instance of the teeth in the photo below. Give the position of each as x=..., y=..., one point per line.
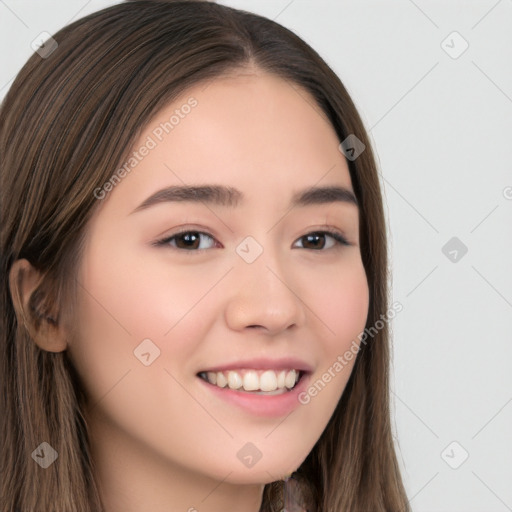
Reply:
x=253, y=380
x=268, y=381
x=289, y=380
x=234, y=380
x=281, y=379
x=222, y=382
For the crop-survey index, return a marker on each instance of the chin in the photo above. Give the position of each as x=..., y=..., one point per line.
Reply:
x=260, y=472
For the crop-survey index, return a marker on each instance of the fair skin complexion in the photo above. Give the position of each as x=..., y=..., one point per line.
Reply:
x=161, y=439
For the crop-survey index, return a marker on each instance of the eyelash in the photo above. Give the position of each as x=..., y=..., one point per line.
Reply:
x=336, y=235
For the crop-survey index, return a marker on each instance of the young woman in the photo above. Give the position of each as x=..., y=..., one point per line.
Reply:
x=193, y=255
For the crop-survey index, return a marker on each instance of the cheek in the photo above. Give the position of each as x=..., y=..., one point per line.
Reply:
x=124, y=300
x=341, y=305
x=342, y=309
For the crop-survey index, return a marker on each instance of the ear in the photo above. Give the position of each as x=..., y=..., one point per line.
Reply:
x=34, y=309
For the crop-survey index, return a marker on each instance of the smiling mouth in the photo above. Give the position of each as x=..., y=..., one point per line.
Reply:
x=266, y=382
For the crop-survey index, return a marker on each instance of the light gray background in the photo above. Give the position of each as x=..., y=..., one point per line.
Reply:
x=441, y=128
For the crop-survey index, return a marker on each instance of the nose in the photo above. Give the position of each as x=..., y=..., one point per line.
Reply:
x=264, y=298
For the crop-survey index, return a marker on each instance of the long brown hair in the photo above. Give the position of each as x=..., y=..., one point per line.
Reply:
x=68, y=120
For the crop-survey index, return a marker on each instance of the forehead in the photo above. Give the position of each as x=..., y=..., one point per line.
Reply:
x=251, y=130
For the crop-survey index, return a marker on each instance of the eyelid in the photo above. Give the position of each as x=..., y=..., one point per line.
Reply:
x=339, y=237
x=164, y=242
x=337, y=234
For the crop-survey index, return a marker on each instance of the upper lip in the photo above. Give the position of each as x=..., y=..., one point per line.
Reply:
x=286, y=363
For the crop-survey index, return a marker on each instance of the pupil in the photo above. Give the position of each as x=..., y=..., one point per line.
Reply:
x=315, y=236
x=190, y=239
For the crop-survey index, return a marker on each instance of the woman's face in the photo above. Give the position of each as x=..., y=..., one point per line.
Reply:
x=248, y=287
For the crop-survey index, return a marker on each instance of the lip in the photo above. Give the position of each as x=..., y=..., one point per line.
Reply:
x=286, y=363
x=269, y=406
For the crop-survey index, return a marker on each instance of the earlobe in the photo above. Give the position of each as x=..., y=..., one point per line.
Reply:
x=32, y=307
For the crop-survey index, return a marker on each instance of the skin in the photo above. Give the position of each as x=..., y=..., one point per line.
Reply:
x=160, y=440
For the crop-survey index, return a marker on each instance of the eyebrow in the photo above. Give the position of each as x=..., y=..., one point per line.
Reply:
x=231, y=197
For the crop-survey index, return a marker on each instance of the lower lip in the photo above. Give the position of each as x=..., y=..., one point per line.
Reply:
x=262, y=405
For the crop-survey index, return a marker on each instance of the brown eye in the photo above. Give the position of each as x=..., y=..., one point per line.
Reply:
x=190, y=240
x=185, y=240
x=318, y=240
x=314, y=241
